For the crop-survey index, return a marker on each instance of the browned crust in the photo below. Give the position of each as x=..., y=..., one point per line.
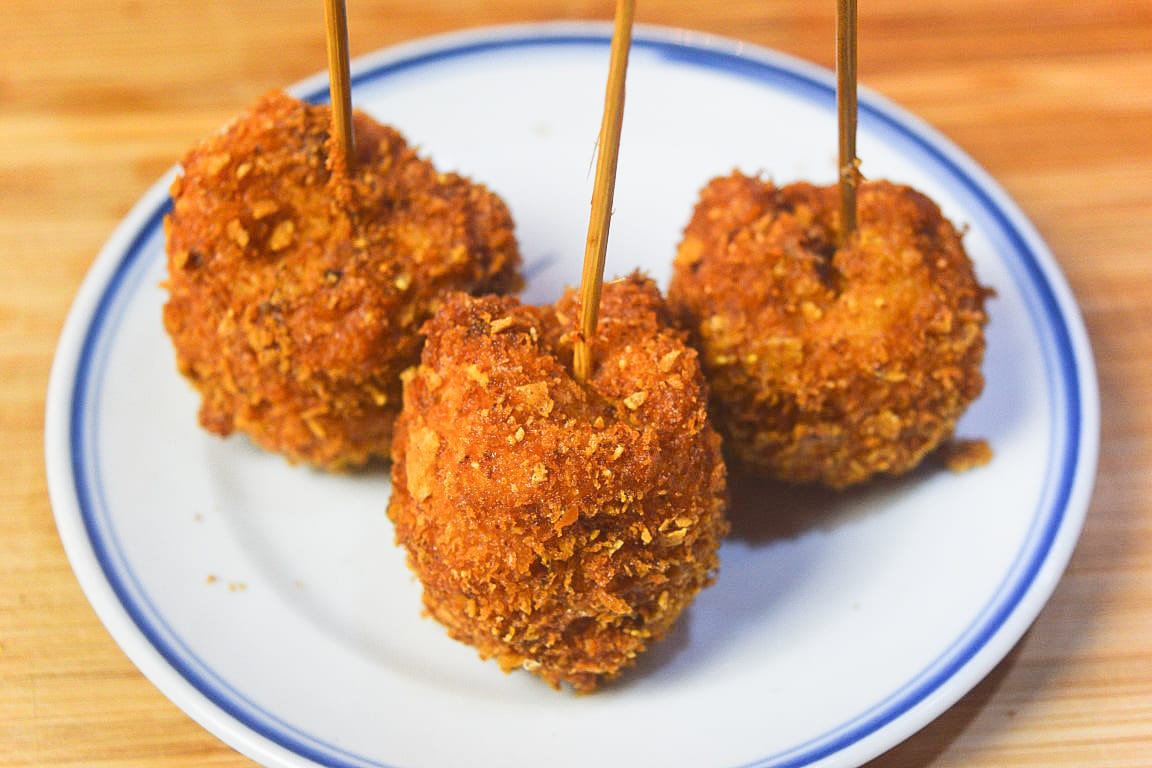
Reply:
x=294, y=303
x=558, y=527
x=829, y=364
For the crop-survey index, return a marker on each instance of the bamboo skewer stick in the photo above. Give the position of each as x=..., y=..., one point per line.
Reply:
x=339, y=86
x=596, y=246
x=846, y=32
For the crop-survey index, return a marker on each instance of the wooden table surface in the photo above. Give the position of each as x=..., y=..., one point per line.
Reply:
x=97, y=99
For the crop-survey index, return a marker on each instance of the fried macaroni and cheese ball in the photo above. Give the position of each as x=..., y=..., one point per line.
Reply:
x=829, y=364
x=556, y=526
x=296, y=293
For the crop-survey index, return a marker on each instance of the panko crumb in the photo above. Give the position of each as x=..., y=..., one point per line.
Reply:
x=961, y=455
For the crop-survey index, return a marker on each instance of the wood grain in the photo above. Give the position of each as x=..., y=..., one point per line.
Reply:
x=603, y=189
x=98, y=98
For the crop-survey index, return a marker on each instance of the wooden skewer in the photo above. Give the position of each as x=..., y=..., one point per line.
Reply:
x=846, y=112
x=603, y=189
x=339, y=85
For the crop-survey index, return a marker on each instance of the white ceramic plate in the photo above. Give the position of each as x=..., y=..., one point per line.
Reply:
x=270, y=603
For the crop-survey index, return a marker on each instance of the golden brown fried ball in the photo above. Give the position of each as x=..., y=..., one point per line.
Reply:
x=556, y=526
x=296, y=297
x=828, y=363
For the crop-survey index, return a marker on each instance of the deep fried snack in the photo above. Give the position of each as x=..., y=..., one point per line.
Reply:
x=295, y=298
x=828, y=363
x=555, y=526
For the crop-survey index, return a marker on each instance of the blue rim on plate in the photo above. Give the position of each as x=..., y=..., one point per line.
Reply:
x=1069, y=372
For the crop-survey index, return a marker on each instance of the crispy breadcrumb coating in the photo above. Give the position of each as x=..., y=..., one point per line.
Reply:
x=829, y=364
x=558, y=527
x=296, y=298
